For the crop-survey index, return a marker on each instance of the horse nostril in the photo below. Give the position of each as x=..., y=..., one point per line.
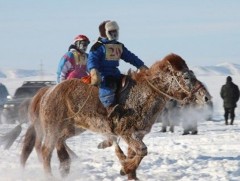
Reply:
x=206, y=99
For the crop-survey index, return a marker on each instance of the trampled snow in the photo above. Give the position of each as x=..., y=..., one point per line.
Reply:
x=212, y=155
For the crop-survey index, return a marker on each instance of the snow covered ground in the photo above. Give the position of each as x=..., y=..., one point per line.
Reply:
x=212, y=155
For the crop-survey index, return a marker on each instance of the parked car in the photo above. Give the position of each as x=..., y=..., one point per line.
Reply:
x=26, y=91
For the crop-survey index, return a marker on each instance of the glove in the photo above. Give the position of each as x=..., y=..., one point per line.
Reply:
x=95, y=77
x=143, y=68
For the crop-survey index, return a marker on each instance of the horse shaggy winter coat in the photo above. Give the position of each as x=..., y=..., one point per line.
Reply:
x=71, y=107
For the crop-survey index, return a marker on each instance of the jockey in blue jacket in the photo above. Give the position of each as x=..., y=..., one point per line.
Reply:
x=103, y=62
x=73, y=63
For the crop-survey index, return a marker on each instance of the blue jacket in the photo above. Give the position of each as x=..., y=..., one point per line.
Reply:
x=105, y=55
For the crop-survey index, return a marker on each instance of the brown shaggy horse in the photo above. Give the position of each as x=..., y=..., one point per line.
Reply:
x=71, y=107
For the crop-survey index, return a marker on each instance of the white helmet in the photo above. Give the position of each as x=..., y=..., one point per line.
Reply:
x=112, y=30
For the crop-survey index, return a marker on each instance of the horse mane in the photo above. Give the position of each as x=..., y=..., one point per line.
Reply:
x=176, y=62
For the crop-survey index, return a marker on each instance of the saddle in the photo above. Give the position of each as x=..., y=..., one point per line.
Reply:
x=124, y=81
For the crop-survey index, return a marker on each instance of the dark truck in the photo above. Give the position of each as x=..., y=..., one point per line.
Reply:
x=23, y=93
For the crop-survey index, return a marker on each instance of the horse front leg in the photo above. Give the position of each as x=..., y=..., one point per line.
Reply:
x=130, y=155
x=122, y=158
x=136, y=151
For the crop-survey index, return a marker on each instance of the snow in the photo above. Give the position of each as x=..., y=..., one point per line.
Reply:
x=212, y=155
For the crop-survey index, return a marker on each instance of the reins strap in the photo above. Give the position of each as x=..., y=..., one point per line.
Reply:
x=195, y=90
x=80, y=108
x=161, y=92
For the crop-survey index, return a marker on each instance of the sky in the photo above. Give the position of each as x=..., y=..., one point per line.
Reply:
x=35, y=34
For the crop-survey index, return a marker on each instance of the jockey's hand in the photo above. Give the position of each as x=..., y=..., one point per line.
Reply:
x=95, y=77
x=143, y=68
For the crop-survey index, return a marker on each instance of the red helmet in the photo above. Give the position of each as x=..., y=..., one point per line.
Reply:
x=81, y=38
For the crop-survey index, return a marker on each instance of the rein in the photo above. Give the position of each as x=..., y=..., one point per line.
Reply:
x=80, y=108
x=161, y=92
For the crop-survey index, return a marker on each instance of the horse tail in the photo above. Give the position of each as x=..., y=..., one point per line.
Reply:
x=28, y=144
x=8, y=139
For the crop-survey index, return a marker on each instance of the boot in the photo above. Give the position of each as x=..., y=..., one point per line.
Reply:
x=164, y=129
x=232, y=121
x=171, y=129
x=114, y=111
x=226, y=122
x=194, y=132
x=186, y=132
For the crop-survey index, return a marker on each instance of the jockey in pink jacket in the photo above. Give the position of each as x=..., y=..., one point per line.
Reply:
x=73, y=63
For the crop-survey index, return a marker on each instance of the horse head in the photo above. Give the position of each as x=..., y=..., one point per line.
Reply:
x=172, y=78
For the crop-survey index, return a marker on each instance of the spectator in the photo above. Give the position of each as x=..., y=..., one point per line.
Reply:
x=230, y=95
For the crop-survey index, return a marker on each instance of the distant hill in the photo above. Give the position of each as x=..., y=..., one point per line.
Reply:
x=224, y=69
x=220, y=69
x=21, y=73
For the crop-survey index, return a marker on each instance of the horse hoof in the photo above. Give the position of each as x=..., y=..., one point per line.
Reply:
x=136, y=179
x=104, y=144
x=122, y=172
x=100, y=146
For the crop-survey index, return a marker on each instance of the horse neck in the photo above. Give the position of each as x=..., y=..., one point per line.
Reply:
x=145, y=102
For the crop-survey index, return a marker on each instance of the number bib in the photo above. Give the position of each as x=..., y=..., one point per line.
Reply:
x=113, y=52
x=80, y=59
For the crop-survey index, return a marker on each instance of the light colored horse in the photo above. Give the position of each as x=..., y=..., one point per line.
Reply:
x=71, y=107
x=188, y=116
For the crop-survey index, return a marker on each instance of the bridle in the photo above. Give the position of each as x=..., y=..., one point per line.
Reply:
x=189, y=93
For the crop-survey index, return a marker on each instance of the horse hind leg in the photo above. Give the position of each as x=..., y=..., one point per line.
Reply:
x=28, y=144
x=38, y=147
x=65, y=161
x=47, y=149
